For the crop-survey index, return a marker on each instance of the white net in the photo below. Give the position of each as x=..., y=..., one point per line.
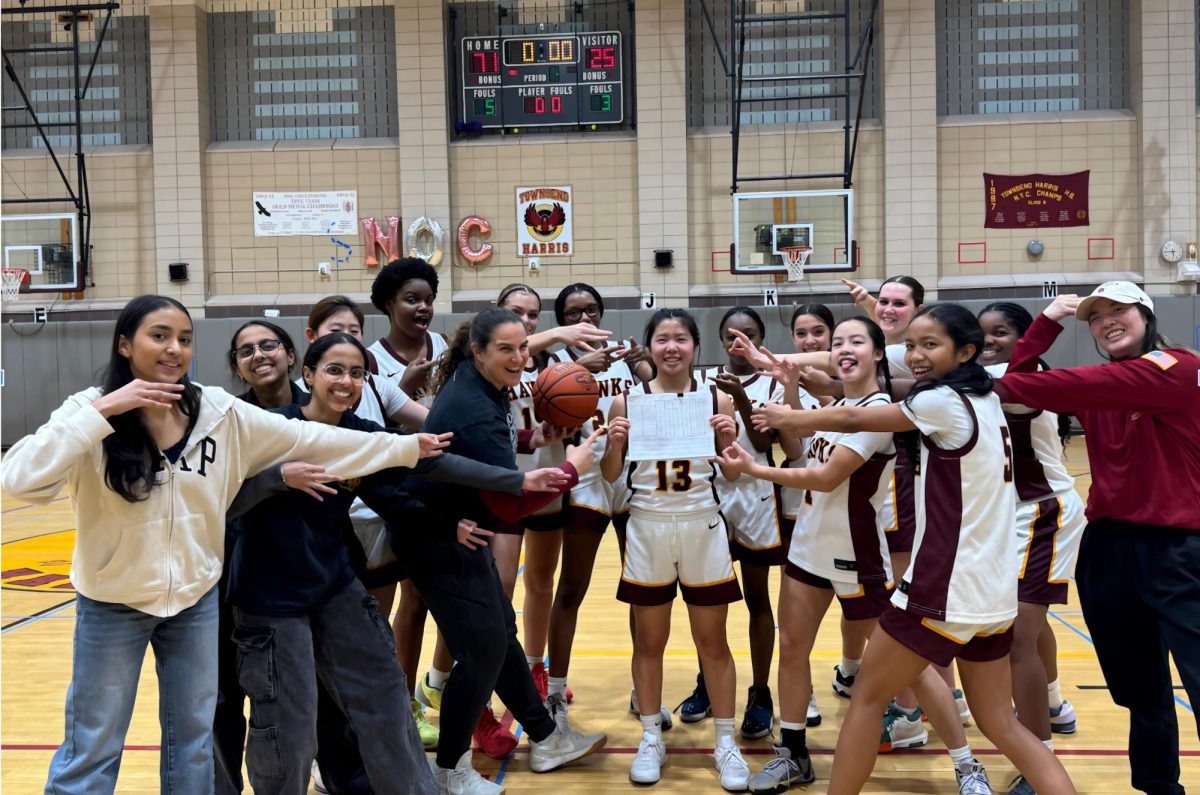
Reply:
x=795, y=258
x=12, y=283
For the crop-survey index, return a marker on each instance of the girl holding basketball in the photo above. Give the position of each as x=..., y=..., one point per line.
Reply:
x=677, y=538
x=951, y=603
x=152, y=462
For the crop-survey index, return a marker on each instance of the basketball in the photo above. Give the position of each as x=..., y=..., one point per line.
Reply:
x=565, y=395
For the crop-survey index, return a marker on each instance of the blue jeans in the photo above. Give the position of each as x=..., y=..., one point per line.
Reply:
x=110, y=645
x=347, y=645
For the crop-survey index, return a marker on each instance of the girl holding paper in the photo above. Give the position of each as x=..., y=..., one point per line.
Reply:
x=676, y=535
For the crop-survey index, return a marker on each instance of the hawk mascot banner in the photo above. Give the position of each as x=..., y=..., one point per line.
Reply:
x=544, y=222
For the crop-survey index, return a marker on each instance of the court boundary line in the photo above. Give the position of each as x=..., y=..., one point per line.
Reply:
x=38, y=616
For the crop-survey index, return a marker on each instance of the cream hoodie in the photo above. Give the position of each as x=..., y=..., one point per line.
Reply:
x=164, y=553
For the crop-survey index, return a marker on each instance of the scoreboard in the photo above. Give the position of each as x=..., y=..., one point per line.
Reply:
x=537, y=81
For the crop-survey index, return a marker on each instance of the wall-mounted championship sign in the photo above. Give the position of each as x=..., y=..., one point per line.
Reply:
x=1036, y=200
x=324, y=213
x=544, y=222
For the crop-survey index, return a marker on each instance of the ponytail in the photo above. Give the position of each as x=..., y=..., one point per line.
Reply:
x=458, y=350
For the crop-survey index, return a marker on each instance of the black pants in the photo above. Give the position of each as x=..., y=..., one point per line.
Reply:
x=463, y=593
x=229, y=721
x=1139, y=586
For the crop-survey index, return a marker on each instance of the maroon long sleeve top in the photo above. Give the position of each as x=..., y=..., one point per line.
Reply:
x=1141, y=419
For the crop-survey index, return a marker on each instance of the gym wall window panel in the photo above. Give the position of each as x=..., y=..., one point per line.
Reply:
x=1013, y=7
x=1028, y=32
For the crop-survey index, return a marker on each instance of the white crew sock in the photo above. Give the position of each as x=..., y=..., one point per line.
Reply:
x=652, y=725
x=724, y=729
x=558, y=684
x=1049, y=745
x=532, y=660
x=849, y=667
x=437, y=678
x=1055, y=696
x=961, y=756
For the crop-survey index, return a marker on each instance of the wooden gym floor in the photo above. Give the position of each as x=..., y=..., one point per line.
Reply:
x=35, y=651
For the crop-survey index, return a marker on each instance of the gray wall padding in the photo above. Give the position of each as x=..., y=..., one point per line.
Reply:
x=45, y=364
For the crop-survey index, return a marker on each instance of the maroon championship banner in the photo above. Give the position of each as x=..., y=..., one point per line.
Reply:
x=1035, y=200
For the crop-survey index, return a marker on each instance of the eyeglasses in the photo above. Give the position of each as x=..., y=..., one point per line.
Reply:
x=266, y=346
x=336, y=371
x=591, y=310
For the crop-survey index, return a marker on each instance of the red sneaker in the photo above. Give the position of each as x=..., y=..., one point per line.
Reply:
x=492, y=738
x=541, y=679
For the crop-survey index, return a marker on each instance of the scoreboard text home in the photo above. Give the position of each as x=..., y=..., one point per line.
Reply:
x=527, y=81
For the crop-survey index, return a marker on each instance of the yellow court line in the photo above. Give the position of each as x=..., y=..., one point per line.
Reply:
x=824, y=654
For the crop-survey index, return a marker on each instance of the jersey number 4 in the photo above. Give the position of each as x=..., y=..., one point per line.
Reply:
x=682, y=473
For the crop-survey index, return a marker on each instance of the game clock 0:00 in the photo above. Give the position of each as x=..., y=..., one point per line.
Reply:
x=534, y=81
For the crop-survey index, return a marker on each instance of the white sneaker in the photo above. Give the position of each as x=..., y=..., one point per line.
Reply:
x=663, y=712
x=463, y=779
x=564, y=746
x=735, y=773
x=318, y=784
x=647, y=764
x=972, y=779
x=1062, y=720
x=814, y=715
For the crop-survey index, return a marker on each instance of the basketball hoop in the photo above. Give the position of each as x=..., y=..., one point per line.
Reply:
x=13, y=279
x=795, y=258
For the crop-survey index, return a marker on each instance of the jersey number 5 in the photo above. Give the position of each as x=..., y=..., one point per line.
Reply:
x=683, y=475
x=1008, y=458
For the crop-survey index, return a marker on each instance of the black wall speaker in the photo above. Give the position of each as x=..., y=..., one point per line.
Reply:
x=178, y=271
x=663, y=257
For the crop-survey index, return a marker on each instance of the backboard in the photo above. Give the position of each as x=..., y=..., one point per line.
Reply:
x=763, y=223
x=47, y=246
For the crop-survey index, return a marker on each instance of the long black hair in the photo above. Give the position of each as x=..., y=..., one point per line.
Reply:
x=131, y=456
x=478, y=333
x=883, y=371
x=963, y=329
x=1021, y=320
x=283, y=336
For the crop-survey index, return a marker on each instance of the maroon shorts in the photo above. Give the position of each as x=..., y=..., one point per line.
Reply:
x=941, y=642
x=535, y=524
x=772, y=556
x=902, y=537
x=1036, y=584
x=859, y=602
x=587, y=518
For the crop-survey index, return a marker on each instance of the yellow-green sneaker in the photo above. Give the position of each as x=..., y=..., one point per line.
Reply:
x=429, y=695
x=429, y=733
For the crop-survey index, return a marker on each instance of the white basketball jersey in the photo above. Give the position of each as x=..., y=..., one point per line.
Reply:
x=761, y=389
x=673, y=487
x=616, y=380
x=520, y=405
x=838, y=534
x=392, y=365
x=792, y=500
x=1038, y=468
x=964, y=559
